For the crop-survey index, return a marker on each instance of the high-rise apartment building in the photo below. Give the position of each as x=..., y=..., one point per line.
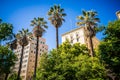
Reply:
x=78, y=35
x=29, y=57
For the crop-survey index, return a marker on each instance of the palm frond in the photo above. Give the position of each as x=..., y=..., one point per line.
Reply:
x=63, y=14
x=80, y=17
x=18, y=36
x=80, y=23
x=50, y=18
x=84, y=13
x=58, y=7
x=61, y=10
x=51, y=9
x=45, y=26
x=50, y=13
x=63, y=19
x=55, y=7
x=96, y=20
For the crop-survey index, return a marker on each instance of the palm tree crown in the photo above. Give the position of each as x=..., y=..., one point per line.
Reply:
x=22, y=37
x=90, y=21
x=56, y=15
x=40, y=26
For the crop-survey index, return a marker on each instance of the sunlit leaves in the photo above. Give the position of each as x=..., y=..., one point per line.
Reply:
x=70, y=62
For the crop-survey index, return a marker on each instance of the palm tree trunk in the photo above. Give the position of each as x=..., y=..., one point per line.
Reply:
x=6, y=76
x=91, y=46
x=36, y=57
x=57, y=43
x=20, y=65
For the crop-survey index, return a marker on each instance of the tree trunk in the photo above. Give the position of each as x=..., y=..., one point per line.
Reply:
x=91, y=46
x=20, y=65
x=36, y=57
x=6, y=76
x=57, y=43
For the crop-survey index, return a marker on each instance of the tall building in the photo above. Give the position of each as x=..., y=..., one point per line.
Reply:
x=78, y=36
x=118, y=14
x=29, y=57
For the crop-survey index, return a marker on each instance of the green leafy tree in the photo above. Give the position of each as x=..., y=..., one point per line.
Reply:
x=56, y=15
x=13, y=76
x=22, y=38
x=7, y=61
x=110, y=47
x=90, y=21
x=6, y=31
x=38, y=30
x=70, y=62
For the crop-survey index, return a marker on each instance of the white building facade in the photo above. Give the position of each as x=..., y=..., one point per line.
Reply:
x=78, y=36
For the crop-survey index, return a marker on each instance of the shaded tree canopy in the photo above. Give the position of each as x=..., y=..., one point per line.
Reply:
x=13, y=76
x=7, y=59
x=6, y=31
x=110, y=47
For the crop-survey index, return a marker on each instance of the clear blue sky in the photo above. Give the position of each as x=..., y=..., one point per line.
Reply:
x=21, y=12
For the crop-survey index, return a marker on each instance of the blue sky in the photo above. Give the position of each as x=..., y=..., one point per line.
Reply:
x=21, y=12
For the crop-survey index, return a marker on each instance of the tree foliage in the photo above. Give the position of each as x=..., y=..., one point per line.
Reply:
x=7, y=60
x=110, y=47
x=70, y=62
x=13, y=76
x=6, y=31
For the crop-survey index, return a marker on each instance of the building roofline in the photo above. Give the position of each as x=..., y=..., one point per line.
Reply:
x=72, y=30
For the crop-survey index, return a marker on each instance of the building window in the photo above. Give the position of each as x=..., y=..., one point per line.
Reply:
x=25, y=60
x=26, y=51
x=26, y=56
x=24, y=66
x=23, y=77
x=40, y=54
x=71, y=39
x=43, y=42
x=40, y=49
x=23, y=71
x=77, y=37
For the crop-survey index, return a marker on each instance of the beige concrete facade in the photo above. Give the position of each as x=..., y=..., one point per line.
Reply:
x=29, y=57
x=78, y=36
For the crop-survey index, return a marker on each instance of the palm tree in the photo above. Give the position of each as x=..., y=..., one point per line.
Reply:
x=56, y=17
x=23, y=41
x=39, y=27
x=89, y=20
